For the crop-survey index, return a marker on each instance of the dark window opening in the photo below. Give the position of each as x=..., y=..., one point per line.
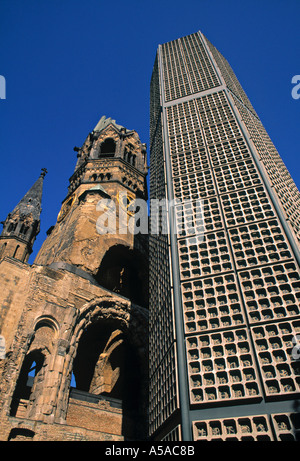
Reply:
x=16, y=251
x=124, y=271
x=32, y=366
x=24, y=229
x=108, y=148
x=12, y=227
x=20, y=434
x=106, y=364
x=129, y=157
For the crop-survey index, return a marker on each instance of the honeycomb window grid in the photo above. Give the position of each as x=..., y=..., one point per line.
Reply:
x=224, y=131
x=258, y=244
x=163, y=391
x=271, y=292
x=274, y=345
x=194, y=186
x=198, y=217
x=247, y=206
x=214, y=109
x=189, y=162
x=245, y=428
x=182, y=118
x=203, y=255
x=200, y=69
x=222, y=367
x=236, y=175
x=228, y=151
x=176, y=81
x=212, y=303
x=286, y=426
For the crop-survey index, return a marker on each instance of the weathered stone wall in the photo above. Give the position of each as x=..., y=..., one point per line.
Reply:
x=46, y=312
x=75, y=286
x=76, y=240
x=13, y=429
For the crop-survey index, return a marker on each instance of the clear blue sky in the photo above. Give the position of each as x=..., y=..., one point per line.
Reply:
x=68, y=62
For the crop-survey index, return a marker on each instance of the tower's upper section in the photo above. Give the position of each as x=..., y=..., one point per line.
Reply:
x=22, y=225
x=111, y=166
x=111, y=153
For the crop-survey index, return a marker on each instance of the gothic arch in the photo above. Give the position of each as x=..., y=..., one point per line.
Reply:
x=31, y=370
x=108, y=148
x=130, y=319
x=123, y=328
x=15, y=254
x=46, y=320
x=124, y=271
x=31, y=379
x=45, y=332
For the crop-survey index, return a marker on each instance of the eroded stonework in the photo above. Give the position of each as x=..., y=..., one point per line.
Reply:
x=75, y=322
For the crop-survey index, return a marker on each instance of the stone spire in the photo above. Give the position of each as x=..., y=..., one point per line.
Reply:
x=22, y=225
x=31, y=203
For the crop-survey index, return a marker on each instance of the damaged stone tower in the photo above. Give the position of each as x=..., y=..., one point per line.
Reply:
x=75, y=322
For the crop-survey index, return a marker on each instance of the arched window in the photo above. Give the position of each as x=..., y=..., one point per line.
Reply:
x=24, y=229
x=12, y=227
x=124, y=271
x=22, y=434
x=16, y=251
x=107, y=365
x=108, y=148
x=31, y=368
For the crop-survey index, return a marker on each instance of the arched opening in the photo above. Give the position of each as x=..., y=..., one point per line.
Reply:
x=30, y=370
x=124, y=271
x=12, y=227
x=108, y=148
x=24, y=229
x=21, y=434
x=106, y=365
x=105, y=361
x=16, y=251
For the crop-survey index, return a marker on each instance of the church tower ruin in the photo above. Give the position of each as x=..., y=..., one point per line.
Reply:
x=75, y=322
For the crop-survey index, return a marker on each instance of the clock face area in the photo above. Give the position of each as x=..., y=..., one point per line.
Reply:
x=66, y=207
x=127, y=202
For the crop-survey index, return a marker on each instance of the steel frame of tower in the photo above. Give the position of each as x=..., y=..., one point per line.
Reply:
x=190, y=411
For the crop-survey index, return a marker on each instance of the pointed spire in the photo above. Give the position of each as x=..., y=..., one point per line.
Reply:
x=31, y=203
x=22, y=225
